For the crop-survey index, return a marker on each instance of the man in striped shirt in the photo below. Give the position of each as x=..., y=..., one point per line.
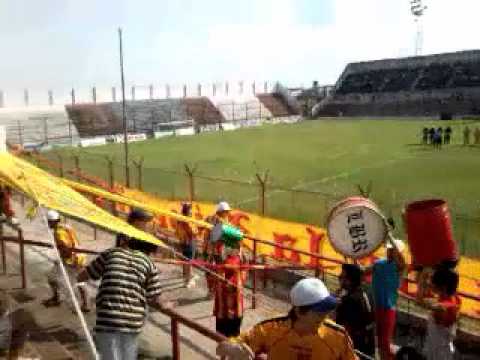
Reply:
x=129, y=282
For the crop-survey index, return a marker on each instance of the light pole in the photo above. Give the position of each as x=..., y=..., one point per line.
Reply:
x=124, y=112
x=418, y=10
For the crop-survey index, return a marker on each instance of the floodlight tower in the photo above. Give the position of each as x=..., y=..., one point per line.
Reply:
x=418, y=10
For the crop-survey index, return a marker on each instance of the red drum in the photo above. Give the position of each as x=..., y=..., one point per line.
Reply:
x=356, y=227
x=429, y=231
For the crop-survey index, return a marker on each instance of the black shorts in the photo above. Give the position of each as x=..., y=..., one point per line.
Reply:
x=229, y=327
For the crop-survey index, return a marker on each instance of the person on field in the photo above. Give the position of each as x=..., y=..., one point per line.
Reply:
x=445, y=308
x=425, y=136
x=355, y=311
x=129, y=281
x=228, y=300
x=431, y=132
x=188, y=243
x=66, y=241
x=386, y=276
x=447, y=135
x=476, y=136
x=305, y=333
x=437, y=139
x=466, y=136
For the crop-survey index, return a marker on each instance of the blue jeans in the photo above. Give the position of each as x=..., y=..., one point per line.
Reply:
x=115, y=345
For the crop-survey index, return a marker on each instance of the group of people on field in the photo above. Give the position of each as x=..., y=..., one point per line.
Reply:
x=436, y=137
x=439, y=136
x=346, y=325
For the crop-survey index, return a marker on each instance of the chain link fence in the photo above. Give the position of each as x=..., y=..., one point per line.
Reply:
x=258, y=195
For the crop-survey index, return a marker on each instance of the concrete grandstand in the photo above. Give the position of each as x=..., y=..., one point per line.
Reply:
x=443, y=85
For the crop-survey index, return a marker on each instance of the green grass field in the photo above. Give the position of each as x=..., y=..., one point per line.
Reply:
x=331, y=157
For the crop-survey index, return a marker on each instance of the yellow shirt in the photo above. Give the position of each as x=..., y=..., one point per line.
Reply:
x=278, y=339
x=65, y=236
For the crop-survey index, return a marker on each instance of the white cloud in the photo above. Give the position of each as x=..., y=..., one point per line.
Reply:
x=362, y=30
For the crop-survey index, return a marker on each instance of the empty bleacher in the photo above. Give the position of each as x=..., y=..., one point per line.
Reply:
x=417, y=86
x=276, y=105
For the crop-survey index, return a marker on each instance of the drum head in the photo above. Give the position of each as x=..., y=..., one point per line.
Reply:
x=216, y=232
x=356, y=231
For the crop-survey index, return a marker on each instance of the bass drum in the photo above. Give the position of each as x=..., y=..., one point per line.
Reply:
x=356, y=227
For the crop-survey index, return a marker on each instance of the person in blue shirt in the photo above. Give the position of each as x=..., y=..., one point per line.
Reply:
x=386, y=277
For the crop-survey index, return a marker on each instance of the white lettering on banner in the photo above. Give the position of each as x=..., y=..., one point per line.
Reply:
x=130, y=137
x=101, y=140
x=160, y=134
x=185, y=131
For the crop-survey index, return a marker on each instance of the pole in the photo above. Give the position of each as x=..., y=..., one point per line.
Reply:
x=4, y=256
x=22, y=259
x=175, y=344
x=124, y=111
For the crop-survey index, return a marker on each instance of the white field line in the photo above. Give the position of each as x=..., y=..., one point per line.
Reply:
x=344, y=174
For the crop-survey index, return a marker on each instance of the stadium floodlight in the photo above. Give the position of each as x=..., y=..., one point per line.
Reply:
x=417, y=9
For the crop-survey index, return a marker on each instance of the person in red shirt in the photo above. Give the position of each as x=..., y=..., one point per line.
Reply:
x=228, y=303
x=6, y=210
x=441, y=327
x=214, y=251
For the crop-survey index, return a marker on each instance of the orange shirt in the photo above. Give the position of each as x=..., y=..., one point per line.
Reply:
x=184, y=233
x=228, y=302
x=280, y=341
x=65, y=236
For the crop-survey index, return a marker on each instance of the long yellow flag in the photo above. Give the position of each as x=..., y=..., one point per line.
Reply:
x=52, y=192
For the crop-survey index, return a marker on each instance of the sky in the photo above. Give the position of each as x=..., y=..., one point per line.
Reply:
x=69, y=43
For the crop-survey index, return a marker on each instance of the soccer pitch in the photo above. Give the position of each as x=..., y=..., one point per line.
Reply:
x=329, y=156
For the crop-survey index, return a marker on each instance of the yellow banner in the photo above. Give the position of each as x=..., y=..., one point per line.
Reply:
x=299, y=236
x=51, y=192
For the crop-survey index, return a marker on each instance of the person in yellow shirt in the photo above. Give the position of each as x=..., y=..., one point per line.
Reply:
x=304, y=334
x=66, y=240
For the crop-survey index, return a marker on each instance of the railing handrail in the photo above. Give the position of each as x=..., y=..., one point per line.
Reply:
x=319, y=257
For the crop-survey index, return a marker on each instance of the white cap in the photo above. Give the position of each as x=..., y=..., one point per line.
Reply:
x=53, y=215
x=398, y=243
x=223, y=206
x=312, y=292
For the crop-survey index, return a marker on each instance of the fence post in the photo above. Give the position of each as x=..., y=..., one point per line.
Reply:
x=70, y=134
x=254, y=285
x=20, y=132
x=22, y=259
x=45, y=130
x=76, y=160
x=191, y=181
x=175, y=339
x=4, y=255
x=60, y=161
x=262, y=181
x=139, y=165
x=111, y=180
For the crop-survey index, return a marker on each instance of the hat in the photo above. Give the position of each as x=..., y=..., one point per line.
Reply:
x=139, y=214
x=53, y=215
x=398, y=243
x=223, y=206
x=312, y=292
x=186, y=208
